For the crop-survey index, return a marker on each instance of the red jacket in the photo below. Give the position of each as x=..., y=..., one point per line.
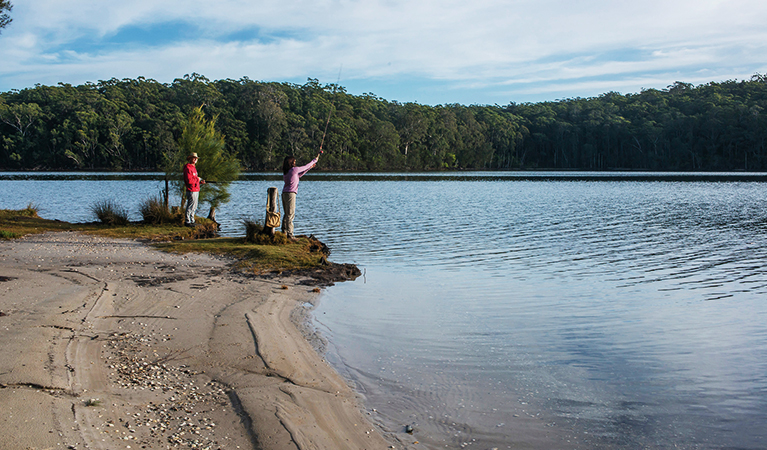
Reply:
x=191, y=180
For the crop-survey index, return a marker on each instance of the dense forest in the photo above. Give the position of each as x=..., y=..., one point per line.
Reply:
x=134, y=124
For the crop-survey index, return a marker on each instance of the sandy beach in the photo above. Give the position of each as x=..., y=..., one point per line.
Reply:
x=110, y=344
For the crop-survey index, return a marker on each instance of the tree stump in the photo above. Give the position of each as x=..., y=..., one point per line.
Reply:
x=212, y=216
x=271, y=206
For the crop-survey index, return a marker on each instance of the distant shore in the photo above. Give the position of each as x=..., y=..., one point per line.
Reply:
x=111, y=344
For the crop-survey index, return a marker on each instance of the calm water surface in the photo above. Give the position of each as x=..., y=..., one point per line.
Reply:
x=527, y=311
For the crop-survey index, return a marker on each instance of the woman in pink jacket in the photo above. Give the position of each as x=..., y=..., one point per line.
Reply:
x=291, y=174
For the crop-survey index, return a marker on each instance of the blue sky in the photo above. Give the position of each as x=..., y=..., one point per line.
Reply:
x=426, y=51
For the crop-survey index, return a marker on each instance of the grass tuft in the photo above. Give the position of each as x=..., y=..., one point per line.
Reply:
x=110, y=213
x=31, y=210
x=205, y=229
x=154, y=212
x=252, y=230
x=254, y=234
x=4, y=234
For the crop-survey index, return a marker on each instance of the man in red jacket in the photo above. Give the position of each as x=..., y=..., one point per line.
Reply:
x=192, y=182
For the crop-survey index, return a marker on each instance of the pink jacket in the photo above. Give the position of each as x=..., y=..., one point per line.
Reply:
x=291, y=178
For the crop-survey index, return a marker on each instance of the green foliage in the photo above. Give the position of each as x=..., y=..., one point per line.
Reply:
x=110, y=213
x=215, y=164
x=140, y=125
x=5, y=234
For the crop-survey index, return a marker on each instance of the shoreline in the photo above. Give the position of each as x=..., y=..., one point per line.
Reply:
x=111, y=344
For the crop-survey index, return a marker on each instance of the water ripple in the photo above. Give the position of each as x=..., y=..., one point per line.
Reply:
x=528, y=310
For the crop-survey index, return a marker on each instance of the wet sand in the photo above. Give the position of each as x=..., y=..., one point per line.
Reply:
x=110, y=344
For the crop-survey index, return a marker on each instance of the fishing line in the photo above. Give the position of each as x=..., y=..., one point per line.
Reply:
x=332, y=106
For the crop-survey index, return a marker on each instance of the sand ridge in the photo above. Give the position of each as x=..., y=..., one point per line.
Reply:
x=110, y=344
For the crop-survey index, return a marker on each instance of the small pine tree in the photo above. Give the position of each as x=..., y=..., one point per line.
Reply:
x=215, y=163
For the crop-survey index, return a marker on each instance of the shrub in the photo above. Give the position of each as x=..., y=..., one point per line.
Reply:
x=154, y=212
x=109, y=212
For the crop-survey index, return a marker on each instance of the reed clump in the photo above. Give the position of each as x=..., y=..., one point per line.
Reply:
x=154, y=211
x=110, y=213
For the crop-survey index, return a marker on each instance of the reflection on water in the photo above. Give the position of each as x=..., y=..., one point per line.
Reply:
x=587, y=313
x=545, y=310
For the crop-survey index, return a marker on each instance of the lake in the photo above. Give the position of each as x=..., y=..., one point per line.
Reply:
x=524, y=310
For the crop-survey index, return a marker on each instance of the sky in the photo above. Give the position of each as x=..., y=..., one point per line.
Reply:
x=426, y=51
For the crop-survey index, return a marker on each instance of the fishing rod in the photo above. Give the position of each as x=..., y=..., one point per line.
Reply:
x=327, y=122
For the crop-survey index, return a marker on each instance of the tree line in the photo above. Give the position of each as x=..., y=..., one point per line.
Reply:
x=136, y=124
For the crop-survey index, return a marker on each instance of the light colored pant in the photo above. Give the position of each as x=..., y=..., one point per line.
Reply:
x=289, y=206
x=191, y=206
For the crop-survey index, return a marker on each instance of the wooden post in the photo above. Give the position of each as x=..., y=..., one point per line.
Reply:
x=165, y=195
x=271, y=206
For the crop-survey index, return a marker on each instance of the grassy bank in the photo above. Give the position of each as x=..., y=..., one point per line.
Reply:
x=265, y=256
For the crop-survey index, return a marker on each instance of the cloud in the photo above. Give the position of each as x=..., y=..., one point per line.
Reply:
x=486, y=49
